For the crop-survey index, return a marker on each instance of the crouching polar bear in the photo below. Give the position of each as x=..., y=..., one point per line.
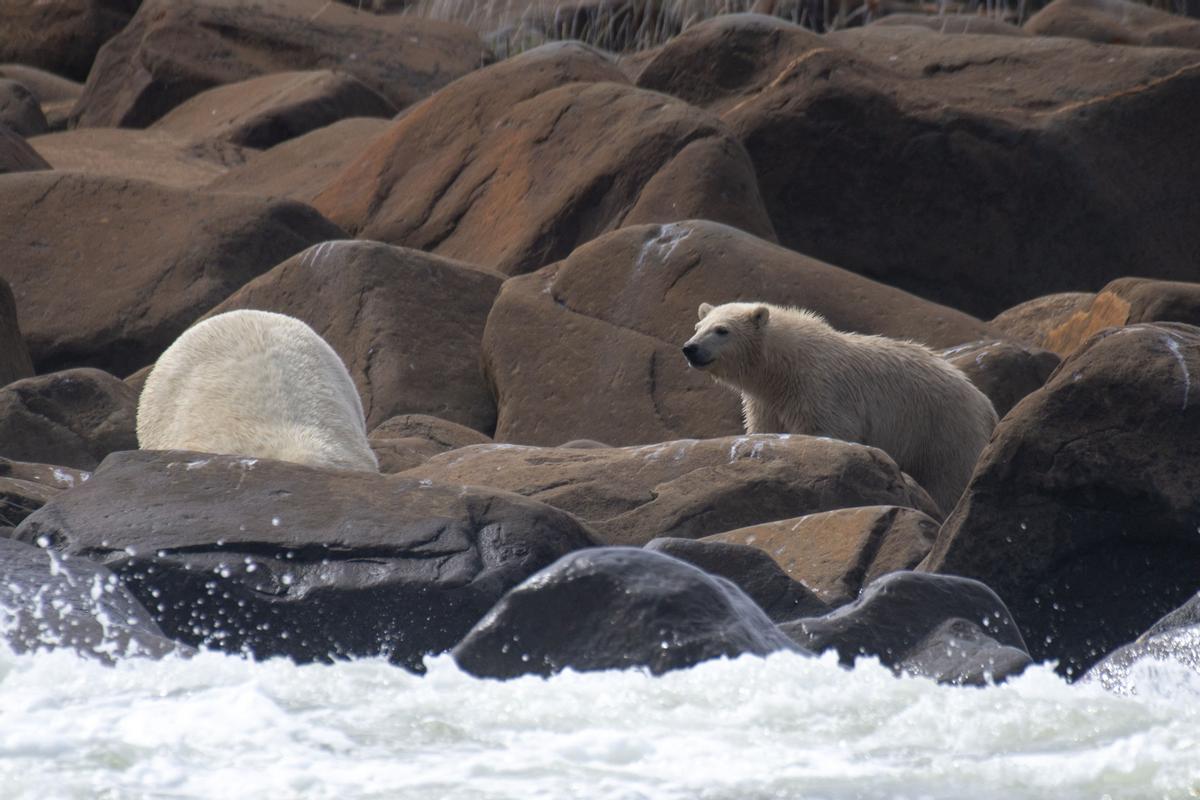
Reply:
x=256, y=384
x=796, y=374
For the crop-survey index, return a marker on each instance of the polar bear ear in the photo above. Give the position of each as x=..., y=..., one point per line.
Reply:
x=704, y=309
x=760, y=315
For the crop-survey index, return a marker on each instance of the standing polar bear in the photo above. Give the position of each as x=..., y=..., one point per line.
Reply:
x=796, y=374
x=256, y=384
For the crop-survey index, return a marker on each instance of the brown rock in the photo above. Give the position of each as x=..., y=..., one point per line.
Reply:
x=56, y=94
x=689, y=488
x=1115, y=22
x=61, y=36
x=14, y=355
x=264, y=111
x=977, y=171
x=407, y=324
x=143, y=155
x=409, y=440
x=1030, y=322
x=515, y=166
x=16, y=155
x=1082, y=512
x=952, y=23
x=174, y=49
x=1004, y=371
x=73, y=418
x=94, y=289
x=301, y=168
x=1126, y=301
x=604, y=328
x=19, y=109
x=836, y=553
x=26, y=487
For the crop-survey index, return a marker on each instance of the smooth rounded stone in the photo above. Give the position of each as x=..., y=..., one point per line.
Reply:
x=901, y=619
x=265, y=111
x=617, y=608
x=301, y=168
x=50, y=601
x=685, y=489
x=605, y=327
x=95, y=290
x=836, y=553
x=174, y=49
x=996, y=134
x=953, y=23
x=516, y=165
x=14, y=354
x=156, y=156
x=1115, y=22
x=269, y=559
x=1032, y=321
x=409, y=440
x=55, y=94
x=1082, y=512
x=1174, y=638
x=584, y=444
x=19, y=109
x=73, y=418
x=62, y=36
x=407, y=324
x=1005, y=371
x=16, y=155
x=751, y=570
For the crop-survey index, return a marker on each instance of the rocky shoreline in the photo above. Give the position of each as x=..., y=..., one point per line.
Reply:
x=507, y=252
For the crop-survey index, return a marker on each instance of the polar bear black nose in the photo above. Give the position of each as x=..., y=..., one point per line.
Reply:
x=689, y=351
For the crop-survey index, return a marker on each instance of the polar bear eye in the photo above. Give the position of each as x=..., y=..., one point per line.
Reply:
x=721, y=331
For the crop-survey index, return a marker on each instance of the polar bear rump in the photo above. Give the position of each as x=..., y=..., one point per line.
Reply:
x=257, y=384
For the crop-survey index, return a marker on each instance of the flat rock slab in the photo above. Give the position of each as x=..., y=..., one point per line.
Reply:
x=1083, y=510
x=95, y=290
x=265, y=111
x=836, y=553
x=407, y=324
x=268, y=558
x=516, y=165
x=617, y=608
x=605, y=327
x=26, y=487
x=49, y=601
x=156, y=156
x=686, y=489
x=174, y=49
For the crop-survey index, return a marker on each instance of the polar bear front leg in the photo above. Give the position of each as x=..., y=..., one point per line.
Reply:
x=758, y=418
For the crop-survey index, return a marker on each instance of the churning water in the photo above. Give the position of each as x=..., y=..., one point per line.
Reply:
x=787, y=726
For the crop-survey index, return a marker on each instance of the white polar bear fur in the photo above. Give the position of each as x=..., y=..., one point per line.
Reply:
x=257, y=384
x=796, y=374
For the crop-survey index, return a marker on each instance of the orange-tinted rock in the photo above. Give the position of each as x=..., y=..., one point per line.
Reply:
x=143, y=155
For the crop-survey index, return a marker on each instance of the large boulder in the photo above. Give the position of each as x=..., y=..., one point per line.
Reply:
x=96, y=290
x=617, y=608
x=407, y=324
x=268, y=558
x=264, y=111
x=1174, y=638
x=1003, y=370
x=174, y=49
x=751, y=570
x=943, y=164
x=74, y=418
x=25, y=487
x=301, y=168
x=1082, y=512
x=409, y=440
x=605, y=327
x=14, y=354
x=61, y=36
x=1031, y=321
x=50, y=601
x=686, y=489
x=951, y=629
x=163, y=158
x=836, y=553
x=16, y=155
x=1115, y=22
x=516, y=165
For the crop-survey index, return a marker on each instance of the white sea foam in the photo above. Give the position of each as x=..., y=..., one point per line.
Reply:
x=784, y=727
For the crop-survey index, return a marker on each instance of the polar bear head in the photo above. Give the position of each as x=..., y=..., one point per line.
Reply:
x=727, y=337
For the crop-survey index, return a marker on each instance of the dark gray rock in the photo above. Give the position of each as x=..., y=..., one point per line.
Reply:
x=1175, y=637
x=902, y=619
x=268, y=558
x=752, y=570
x=19, y=109
x=615, y=608
x=25, y=487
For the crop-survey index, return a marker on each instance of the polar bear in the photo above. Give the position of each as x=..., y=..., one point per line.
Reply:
x=258, y=384
x=796, y=374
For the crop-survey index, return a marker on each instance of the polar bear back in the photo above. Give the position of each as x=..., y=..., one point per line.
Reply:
x=258, y=384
